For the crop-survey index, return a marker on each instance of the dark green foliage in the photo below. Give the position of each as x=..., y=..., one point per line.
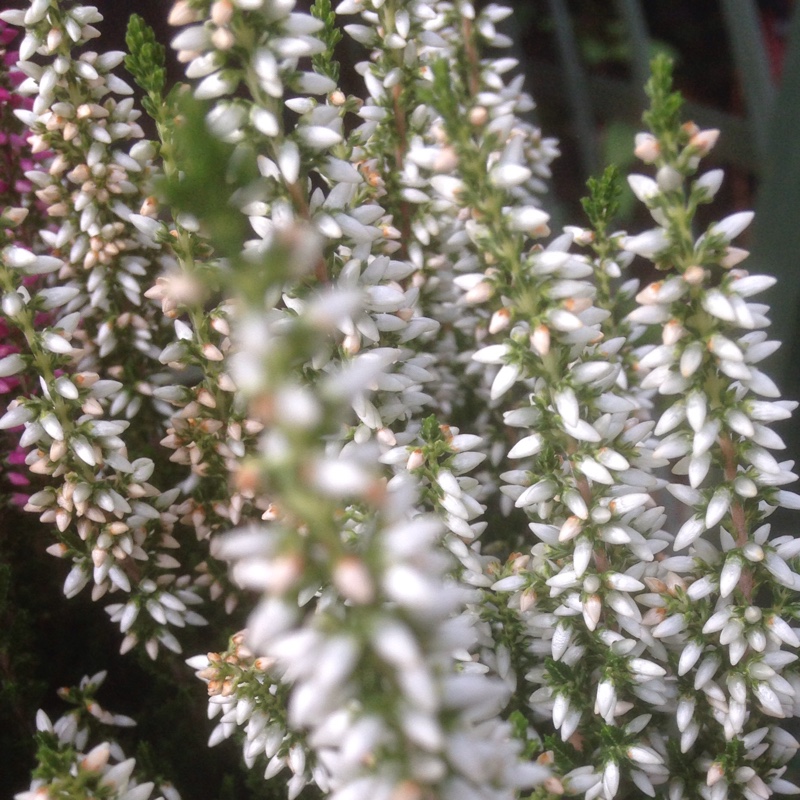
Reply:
x=20, y=684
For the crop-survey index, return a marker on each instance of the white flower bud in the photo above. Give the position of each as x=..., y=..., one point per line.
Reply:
x=643, y=187
x=668, y=179
x=11, y=365
x=218, y=84
x=647, y=244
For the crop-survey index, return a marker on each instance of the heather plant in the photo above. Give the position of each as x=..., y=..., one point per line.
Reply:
x=497, y=514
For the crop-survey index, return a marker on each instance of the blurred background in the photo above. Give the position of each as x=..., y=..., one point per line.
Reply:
x=737, y=63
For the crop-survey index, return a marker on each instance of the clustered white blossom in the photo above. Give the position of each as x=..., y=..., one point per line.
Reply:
x=76, y=301
x=99, y=771
x=442, y=448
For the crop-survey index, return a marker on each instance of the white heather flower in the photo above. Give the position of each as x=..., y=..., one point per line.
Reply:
x=647, y=244
x=643, y=187
x=730, y=227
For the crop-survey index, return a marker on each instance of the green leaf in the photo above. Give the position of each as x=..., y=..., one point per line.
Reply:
x=431, y=432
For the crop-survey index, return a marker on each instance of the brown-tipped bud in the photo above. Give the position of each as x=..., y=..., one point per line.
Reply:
x=500, y=320
x=149, y=207
x=703, y=141
x=415, y=460
x=672, y=332
x=540, y=340
x=59, y=550
x=690, y=128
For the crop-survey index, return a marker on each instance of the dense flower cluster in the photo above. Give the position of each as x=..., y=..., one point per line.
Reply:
x=70, y=768
x=324, y=348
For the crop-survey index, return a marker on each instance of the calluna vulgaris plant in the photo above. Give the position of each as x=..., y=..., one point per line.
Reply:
x=505, y=511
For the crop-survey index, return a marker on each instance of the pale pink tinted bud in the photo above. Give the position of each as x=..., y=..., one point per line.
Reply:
x=221, y=12
x=54, y=38
x=212, y=352
x=703, y=141
x=478, y=116
x=351, y=344
x=182, y=14
x=715, y=773
x=733, y=256
x=223, y=39
x=647, y=147
x=97, y=757
x=479, y=293
x=16, y=215
x=694, y=275
x=351, y=577
x=446, y=160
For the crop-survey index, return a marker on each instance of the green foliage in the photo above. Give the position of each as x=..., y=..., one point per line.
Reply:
x=209, y=177
x=602, y=204
x=664, y=115
x=146, y=63
x=325, y=63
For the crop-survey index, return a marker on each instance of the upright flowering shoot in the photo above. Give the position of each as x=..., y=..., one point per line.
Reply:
x=725, y=609
x=579, y=468
x=110, y=522
x=83, y=115
x=69, y=768
x=357, y=619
